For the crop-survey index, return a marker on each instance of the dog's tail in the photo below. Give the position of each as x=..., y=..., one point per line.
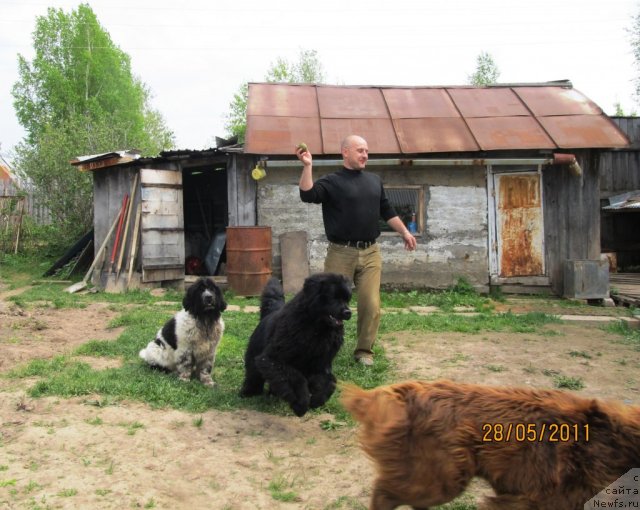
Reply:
x=356, y=400
x=272, y=298
x=377, y=407
x=158, y=354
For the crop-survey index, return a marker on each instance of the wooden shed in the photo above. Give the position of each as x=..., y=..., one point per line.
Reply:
x=502, y=180
x=184, y=200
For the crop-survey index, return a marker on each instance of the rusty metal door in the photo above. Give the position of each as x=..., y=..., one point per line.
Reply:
x=519, y=224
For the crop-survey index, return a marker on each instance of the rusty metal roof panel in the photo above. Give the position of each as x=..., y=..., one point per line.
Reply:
x=405, y=103
x=280, y=100
x=487, y=102
x=434, y=135
x=545, y=101
x=352, y=102
x=378, y=133
x=413, y=120
x=280, y=135
x=499, y=133
x=577, y=131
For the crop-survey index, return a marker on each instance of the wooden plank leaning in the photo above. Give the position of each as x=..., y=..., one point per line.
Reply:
x=134, y=244
x=82, y=284
x=132, y=198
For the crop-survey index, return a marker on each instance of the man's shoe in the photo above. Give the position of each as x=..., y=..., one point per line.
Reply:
x=367, y=361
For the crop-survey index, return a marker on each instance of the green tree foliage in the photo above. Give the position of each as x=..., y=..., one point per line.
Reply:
x=486, y=72
x=307, y=69
x=78, y=96
x=237, y=117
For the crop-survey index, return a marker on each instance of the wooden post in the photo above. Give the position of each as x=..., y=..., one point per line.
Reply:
x=22, y=201
x=134, y=243
x=132, y=196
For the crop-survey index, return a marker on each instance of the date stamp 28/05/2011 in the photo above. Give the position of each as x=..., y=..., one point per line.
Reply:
x=535, y=432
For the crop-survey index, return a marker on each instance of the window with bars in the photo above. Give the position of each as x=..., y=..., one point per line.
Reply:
x=407, y=202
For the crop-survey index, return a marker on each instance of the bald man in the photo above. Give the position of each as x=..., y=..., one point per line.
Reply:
x=353, y=201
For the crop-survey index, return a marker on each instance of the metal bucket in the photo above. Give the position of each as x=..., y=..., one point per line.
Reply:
x=248, y=259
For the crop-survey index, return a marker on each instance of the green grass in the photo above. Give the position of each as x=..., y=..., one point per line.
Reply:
x=345, y=502
x=568, y=383
x=280, y=487
x=140, y=316
x=20, y=270
x=461, y=294
x=464, y=502
x=580, y=354
x=629, y=335
x=440, y=322
x=67, y=493
x=66, y=376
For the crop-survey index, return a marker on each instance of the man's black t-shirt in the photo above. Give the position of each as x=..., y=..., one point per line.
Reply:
x=352, y=203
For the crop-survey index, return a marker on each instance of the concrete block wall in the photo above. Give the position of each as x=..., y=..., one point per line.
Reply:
x=454, y=243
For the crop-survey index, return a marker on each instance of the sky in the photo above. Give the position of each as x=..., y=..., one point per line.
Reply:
x=194, y=55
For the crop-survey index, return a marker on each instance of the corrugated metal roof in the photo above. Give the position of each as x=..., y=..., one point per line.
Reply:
x=415, y=120
x=127, y=158
x=624, y=202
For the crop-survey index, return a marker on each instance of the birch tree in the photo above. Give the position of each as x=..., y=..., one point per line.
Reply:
x=78, y=96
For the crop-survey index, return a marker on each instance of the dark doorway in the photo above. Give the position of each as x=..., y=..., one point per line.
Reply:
x=205, y=218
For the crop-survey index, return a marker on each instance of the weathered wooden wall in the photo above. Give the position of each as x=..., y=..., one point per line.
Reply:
x=162, y=225
x=620, y=173
x=242, y=191
x=620, y=169
x=571, y=215
x=109, y=188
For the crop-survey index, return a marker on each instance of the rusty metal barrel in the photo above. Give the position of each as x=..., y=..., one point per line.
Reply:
x=248, y=259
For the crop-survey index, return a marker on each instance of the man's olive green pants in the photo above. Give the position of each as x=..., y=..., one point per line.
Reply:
x=364, y=268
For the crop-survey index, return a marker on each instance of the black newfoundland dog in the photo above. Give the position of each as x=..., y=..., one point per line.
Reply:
x=187, y=343
x=294, y=345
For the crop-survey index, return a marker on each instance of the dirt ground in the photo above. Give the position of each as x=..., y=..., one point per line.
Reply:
x=53, y=455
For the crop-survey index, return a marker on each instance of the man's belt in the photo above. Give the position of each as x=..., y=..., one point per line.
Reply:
x=360, y=245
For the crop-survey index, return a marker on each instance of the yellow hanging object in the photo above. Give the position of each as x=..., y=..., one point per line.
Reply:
x=258, y=172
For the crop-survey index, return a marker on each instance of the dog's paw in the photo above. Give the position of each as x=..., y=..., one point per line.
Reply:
x=207, y=381
x=317, y=400
x=299, y=409
x=184, y=377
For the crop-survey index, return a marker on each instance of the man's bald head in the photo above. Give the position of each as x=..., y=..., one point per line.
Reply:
x=355, y=152
x=352, y=140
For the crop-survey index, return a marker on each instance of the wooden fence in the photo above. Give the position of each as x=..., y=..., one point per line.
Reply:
x=38, y=212
x=11, y=215
x=15, y=205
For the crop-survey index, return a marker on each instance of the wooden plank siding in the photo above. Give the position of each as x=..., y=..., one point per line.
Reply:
x=620, y=168
x=162, y=224
x=571, y=215
x=109, y=190
x=241, y=192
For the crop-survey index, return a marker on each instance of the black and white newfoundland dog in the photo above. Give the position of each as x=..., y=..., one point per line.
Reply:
x=187, y=343
x=293, y=347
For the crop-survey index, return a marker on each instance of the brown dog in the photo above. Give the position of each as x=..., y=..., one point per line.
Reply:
x=537, y=448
